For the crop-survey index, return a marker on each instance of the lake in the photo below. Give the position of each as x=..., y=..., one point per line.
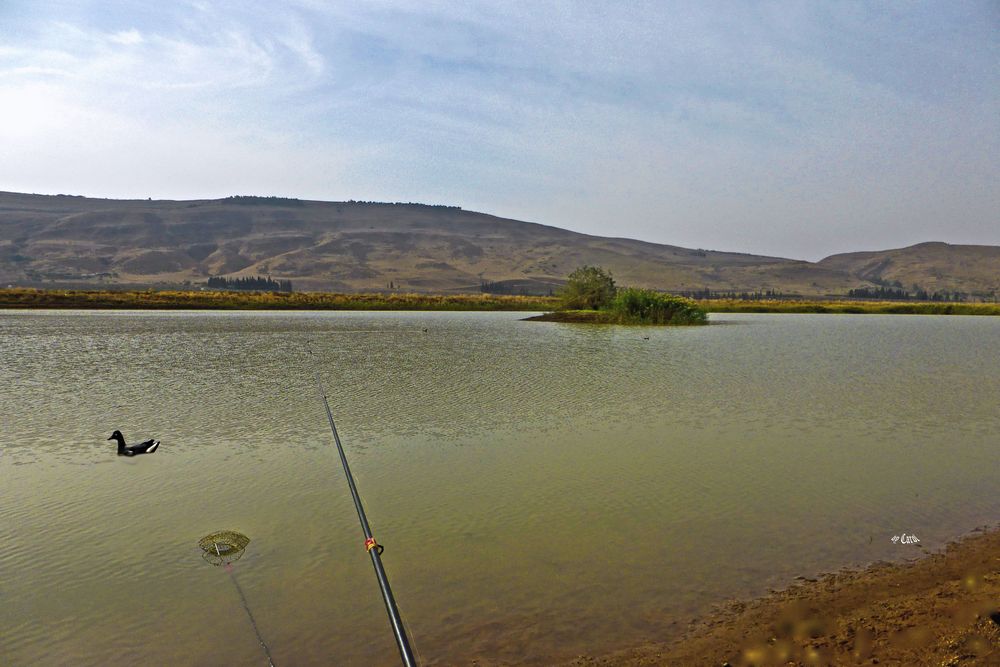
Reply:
x=542, y=490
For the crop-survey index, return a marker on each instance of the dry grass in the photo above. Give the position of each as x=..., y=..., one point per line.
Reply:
x=220, y=300
x=862, y=307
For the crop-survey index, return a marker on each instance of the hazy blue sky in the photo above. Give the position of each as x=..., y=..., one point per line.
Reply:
x=793, y=129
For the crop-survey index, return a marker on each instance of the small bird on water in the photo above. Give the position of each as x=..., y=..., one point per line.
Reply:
x=147, y=447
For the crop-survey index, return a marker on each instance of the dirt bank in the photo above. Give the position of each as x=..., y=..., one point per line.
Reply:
x=943, y=609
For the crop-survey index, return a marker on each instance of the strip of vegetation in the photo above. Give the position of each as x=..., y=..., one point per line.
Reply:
x=226, y=300
x=859, y=307
x=883, y=293
x=897, y=293
x=254, y=200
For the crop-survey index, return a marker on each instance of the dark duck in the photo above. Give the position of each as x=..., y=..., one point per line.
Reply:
x=147, y=447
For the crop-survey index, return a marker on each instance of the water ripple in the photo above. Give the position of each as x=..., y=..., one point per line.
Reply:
x=542, y=489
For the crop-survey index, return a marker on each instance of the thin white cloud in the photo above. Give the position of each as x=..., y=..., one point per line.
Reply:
x=299, y=41
x=127, y=37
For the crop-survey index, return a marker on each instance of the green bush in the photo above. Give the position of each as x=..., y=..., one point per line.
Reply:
x=634, y=304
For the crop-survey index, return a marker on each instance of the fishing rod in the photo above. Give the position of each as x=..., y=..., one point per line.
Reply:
x=373, y=548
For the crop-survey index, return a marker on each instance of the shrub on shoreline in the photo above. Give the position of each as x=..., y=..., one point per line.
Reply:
x=646, y=306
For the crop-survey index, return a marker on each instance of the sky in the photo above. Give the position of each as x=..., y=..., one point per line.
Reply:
x=794, y=129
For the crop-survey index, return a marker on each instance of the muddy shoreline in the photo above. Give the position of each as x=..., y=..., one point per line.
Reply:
x=942, y=609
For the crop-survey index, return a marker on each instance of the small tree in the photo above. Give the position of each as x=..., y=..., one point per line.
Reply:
x=589, y=287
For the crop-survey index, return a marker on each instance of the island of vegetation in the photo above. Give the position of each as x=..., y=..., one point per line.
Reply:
x=591, y=296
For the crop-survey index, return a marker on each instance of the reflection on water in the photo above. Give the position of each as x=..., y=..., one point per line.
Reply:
x=542, y=489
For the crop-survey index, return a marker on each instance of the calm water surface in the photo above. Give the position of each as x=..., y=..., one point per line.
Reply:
x=542, y=490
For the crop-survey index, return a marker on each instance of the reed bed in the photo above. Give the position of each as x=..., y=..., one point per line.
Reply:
x=223, y=300
x=859, y=307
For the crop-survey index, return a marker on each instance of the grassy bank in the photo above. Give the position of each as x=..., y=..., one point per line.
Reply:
x=862, y=307
x=220, y=300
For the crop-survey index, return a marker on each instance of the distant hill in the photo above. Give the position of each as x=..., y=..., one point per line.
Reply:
x=932, y=267
x=358, y=246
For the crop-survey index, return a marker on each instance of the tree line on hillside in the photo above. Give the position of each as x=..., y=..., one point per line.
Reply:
x=511, y=287
x=254, y=200
x=758, y=295
x=402, y=203
x=257, y=283
x=899, y=294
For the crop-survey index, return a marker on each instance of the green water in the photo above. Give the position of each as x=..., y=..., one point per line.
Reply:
x=543, y=490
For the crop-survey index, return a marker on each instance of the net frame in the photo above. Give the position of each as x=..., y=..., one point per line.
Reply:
x=223, y=547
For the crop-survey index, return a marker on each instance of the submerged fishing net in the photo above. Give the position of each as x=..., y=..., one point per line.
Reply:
x=223, y=547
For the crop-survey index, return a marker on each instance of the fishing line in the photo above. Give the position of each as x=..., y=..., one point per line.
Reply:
x=253, y=622
x=222, y=548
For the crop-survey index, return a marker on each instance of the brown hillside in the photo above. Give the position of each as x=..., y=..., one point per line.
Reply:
x=353, y=246
x=933, y=267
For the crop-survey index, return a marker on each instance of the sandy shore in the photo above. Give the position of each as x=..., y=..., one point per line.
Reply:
x=943, y=609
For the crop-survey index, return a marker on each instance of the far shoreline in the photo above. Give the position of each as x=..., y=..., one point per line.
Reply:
x=84, y=299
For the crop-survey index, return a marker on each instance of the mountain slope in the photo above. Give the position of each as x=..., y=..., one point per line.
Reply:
x=934, y=267
x=355, y=246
